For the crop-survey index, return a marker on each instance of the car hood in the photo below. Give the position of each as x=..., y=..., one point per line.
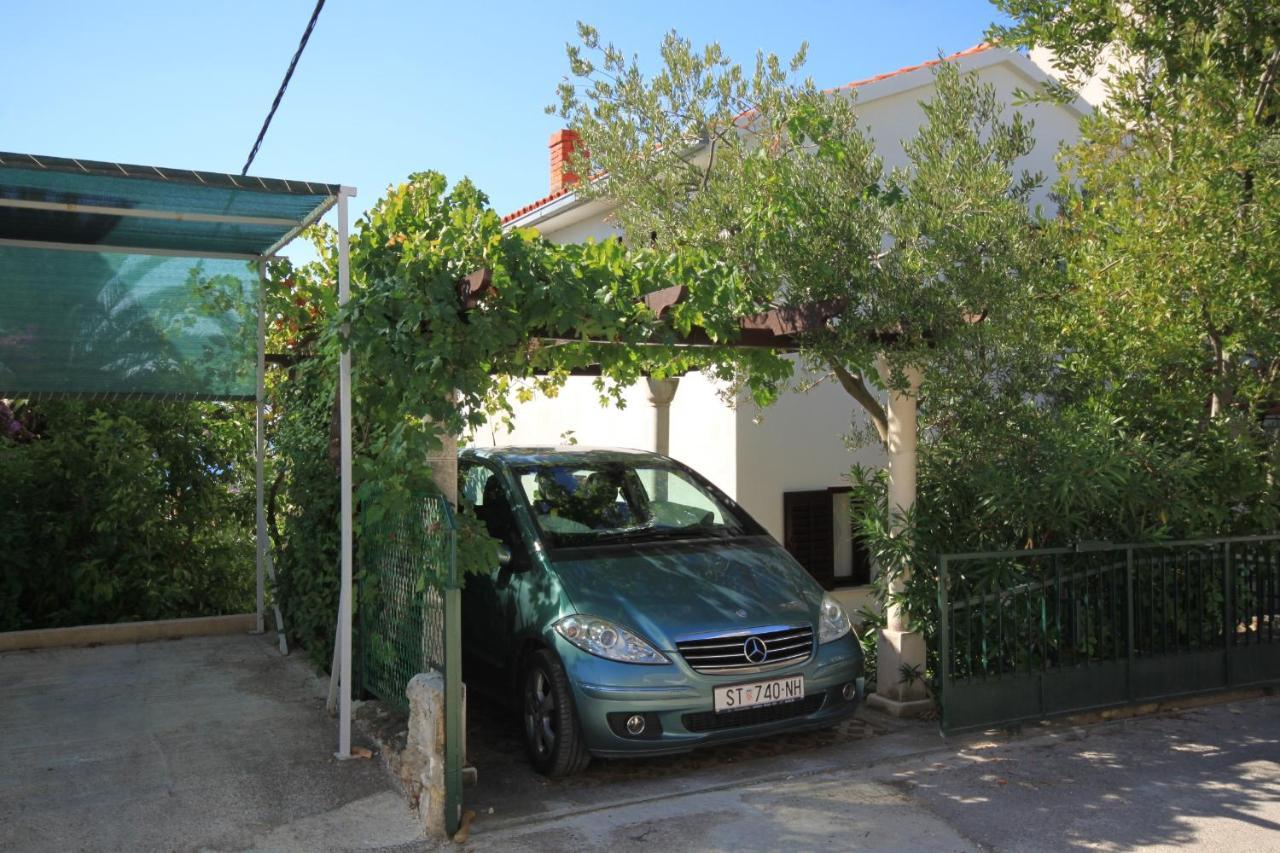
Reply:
x=672, y=590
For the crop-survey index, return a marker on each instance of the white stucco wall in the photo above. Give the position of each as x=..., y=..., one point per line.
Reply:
x=1094, y=89
x=797, y=444
x=896, y=118
x=703, y=429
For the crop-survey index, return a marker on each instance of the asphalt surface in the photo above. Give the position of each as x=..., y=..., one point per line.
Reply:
x=206, y=743
x=1207, y=779
x=1201, y=779
x=221, y=744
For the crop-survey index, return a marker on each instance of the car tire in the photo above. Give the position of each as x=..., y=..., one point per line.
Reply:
x=549, y=721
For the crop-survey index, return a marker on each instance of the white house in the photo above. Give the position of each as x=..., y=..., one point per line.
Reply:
x=787, y=465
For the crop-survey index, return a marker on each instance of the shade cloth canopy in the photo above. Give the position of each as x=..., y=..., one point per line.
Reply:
x=121, y=280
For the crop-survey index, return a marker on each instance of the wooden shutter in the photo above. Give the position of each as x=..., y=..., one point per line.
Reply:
x=808, y=533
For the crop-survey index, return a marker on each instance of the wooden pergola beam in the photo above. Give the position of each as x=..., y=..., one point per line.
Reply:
x=776, y=328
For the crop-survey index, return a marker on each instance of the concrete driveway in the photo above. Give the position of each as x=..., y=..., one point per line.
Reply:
x=205, y=743
x=219, y=743
x=1204, y=779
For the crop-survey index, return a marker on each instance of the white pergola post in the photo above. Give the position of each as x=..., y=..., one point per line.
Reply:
x=897, y=645
x=661, y=393
x=344, y=432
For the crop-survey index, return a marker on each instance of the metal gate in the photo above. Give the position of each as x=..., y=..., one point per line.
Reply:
x=411, y=618
x=1029, y=634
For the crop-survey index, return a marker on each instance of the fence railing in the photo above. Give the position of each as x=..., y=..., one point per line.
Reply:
x=411, y=618
x=1029, y=634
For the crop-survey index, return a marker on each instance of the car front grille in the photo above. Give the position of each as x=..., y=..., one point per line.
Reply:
x=711, y=721
x=728, y=653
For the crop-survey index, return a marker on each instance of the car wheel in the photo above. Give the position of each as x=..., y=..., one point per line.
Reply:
x=552, y=734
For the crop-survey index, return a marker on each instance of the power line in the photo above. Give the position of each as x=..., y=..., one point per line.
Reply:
x=284, y=84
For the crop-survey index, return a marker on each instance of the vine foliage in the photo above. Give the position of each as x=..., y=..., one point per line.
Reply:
x=424, y=368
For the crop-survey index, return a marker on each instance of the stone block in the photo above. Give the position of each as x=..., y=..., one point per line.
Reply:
x=422, y=762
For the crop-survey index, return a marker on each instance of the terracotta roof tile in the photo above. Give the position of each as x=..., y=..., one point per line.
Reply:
x=976, y=49
x=534, y=205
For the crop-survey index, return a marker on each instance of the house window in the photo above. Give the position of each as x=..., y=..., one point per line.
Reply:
x=818, y=532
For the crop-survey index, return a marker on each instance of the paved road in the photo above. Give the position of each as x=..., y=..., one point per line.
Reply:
x=221, y=744
x=207, y=743
x=1204, y=779
x=1207, y=779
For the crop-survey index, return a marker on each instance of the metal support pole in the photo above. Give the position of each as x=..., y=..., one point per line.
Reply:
x=1130, y=649
x=944, y=642
x=344, y=418
x=1228, y=613
x=453, y=731
x=260, y=448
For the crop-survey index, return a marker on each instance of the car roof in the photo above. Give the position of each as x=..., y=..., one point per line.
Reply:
x=568, y=454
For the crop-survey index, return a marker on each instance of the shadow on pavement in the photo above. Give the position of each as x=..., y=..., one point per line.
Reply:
x=508, y=787
x=1209, y=776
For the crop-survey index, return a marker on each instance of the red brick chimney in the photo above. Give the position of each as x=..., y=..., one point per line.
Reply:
x=563, y=144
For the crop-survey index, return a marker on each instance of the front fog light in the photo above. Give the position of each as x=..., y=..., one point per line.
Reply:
x=635, y=725
x=850, y=690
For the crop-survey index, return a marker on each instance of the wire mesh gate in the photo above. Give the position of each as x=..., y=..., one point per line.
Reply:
x=411, y=617
x=1029, y=634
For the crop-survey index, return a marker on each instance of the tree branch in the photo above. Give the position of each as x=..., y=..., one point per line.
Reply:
x=858, y=390
x=1264, y=86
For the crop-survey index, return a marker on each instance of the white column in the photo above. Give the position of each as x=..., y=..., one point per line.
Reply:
x=661, y=393
x=344, y=418
x=898, y=645
x=260, y=447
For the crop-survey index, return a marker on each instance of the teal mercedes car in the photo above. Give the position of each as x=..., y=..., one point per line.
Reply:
x=638, y=610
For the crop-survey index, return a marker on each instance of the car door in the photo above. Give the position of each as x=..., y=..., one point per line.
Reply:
x=488, y=598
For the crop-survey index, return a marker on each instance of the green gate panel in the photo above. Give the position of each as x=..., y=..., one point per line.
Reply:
x=1255, y=665
x=1029, y=634
x=1085, y=688
x=1174, y=675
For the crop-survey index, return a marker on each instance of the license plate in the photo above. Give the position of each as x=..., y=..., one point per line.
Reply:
x=790, y=689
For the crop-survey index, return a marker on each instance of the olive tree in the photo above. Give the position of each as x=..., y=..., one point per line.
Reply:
x=1172, y=228
x=931, y=270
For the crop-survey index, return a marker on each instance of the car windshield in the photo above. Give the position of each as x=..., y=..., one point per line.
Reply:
x=619, y=501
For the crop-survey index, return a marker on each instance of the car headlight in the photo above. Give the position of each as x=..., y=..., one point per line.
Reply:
x=607, y=640
x=833, y=622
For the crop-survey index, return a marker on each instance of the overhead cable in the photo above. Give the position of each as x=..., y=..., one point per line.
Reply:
x=284, y=84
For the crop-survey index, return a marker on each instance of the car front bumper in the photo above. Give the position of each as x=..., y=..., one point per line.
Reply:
x=678, y=706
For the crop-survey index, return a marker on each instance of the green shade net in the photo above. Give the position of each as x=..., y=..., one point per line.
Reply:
x=107, y=287
x=97, y=323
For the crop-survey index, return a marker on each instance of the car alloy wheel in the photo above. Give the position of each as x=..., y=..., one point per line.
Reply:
x=552, y=734
x=539, y=713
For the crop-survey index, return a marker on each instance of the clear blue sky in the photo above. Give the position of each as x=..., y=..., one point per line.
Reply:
x=387, y=87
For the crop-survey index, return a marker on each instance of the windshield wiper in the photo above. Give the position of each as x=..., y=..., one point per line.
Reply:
x=656, y=533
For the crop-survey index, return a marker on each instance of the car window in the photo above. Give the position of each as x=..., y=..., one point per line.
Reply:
x=480, y=491
x=597, y=503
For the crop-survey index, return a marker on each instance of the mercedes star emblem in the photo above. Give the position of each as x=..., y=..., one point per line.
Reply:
x=755, y=650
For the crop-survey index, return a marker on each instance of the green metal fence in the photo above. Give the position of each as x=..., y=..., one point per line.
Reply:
x=1029, y=634
x=411, y=618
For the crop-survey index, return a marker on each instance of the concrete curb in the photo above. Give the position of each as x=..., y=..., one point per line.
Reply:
x=126, y=632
